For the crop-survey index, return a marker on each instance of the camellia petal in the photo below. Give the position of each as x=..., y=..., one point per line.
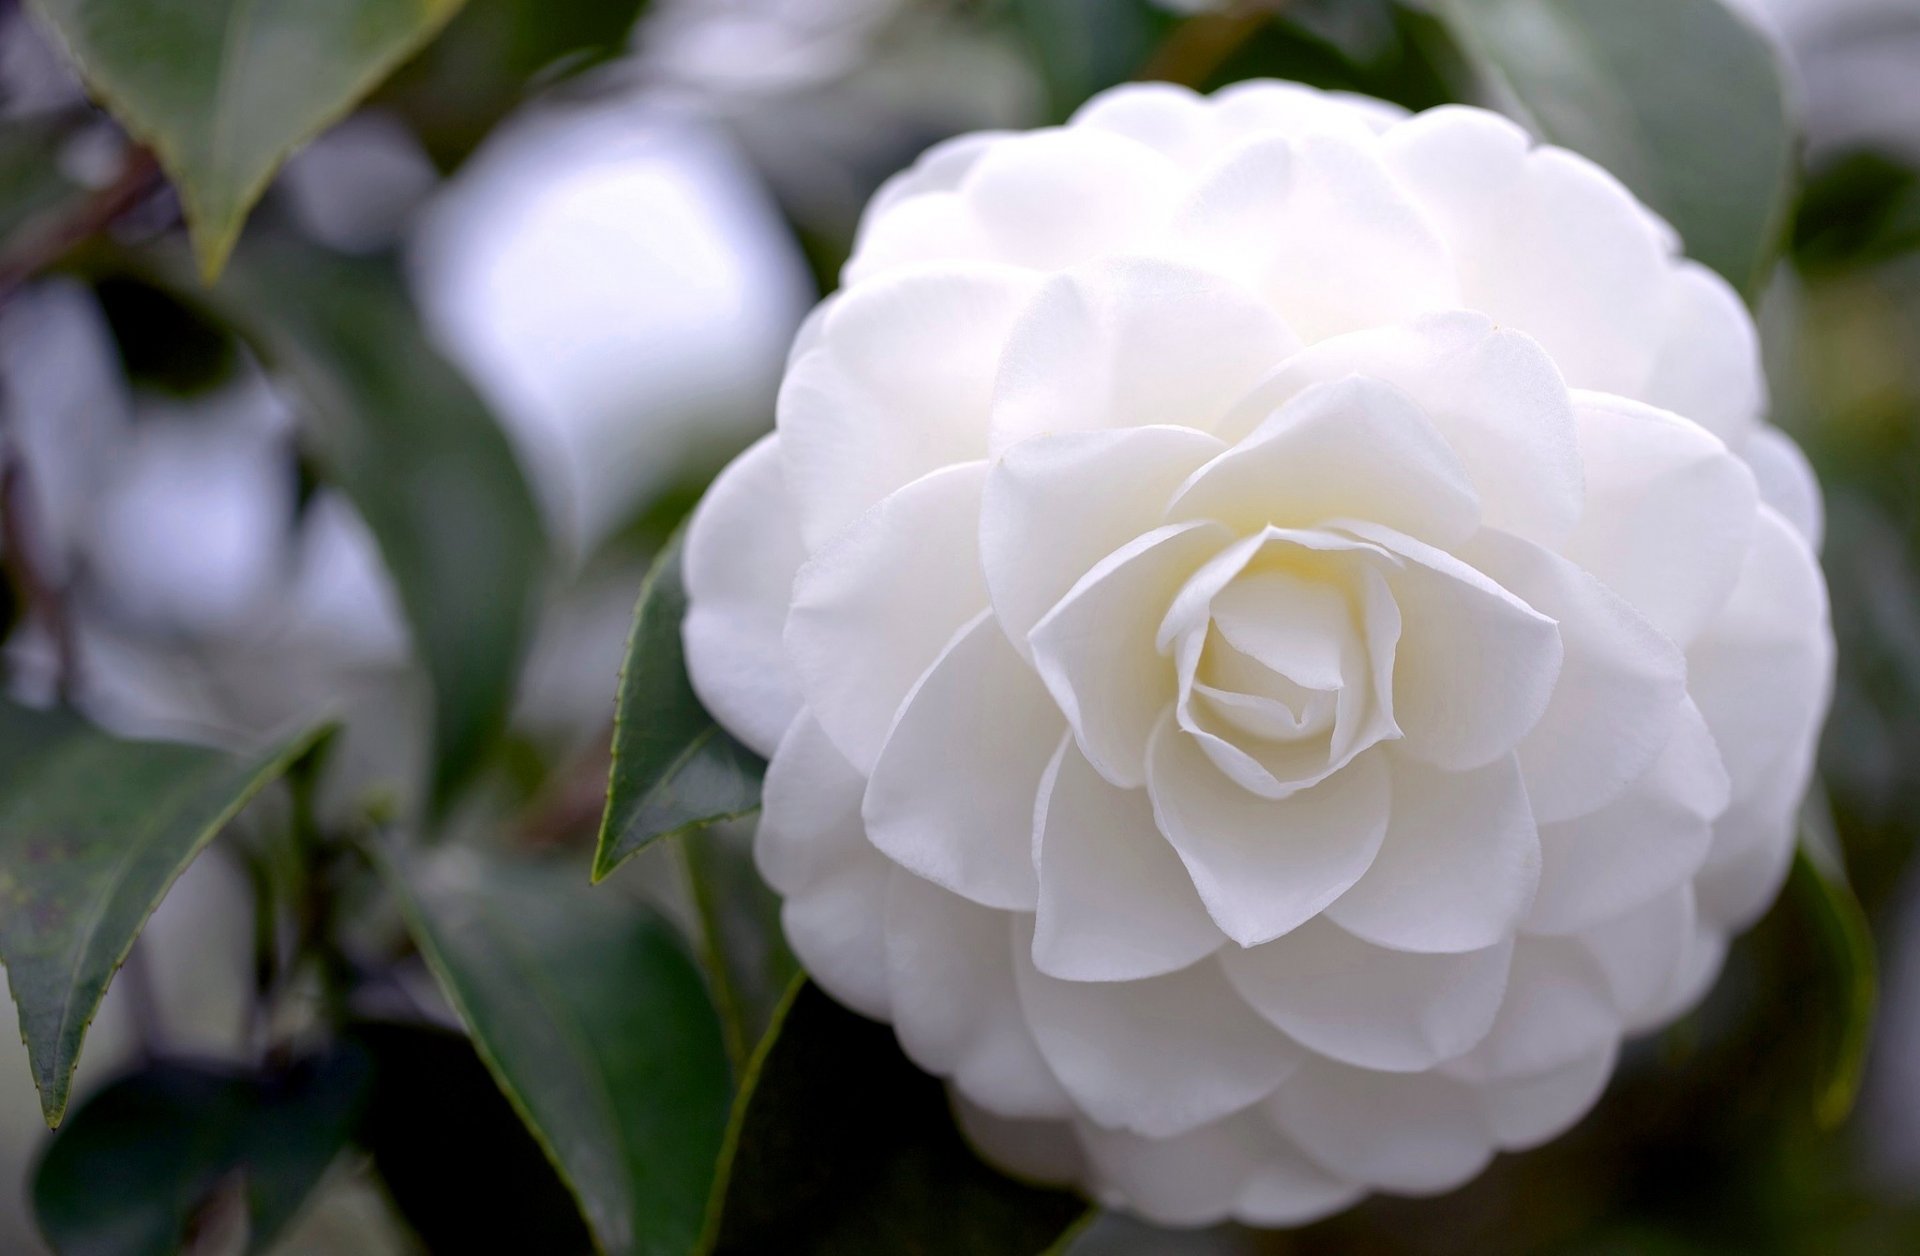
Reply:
x=1240, y=1166
x=1096, y=650
x=952, y=794
x=1417, y=1133
x=1458, y=867
x=1156, y=1057
x=1114, y=903
x=1056, y=505
x=739, y=584
x=1265, y=867
x=1351, y=448
x=870, y=614
x=1361, y=1004
x=1131, y=342
x=952, y=999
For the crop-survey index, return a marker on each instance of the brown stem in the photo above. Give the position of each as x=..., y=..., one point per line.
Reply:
x=42, y=249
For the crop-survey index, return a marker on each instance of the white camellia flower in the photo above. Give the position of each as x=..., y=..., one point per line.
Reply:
x=1281, y=634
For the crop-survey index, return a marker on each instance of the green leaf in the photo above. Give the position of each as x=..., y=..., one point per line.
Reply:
x=430, y=470
x=1084, y=46
x=674, y=769
x=594, y=1022
x=1820, y=884
x=1682, y=99
x=144, y=1161
x=749, y=966
x=839, y=1144
x=223, y=91
x=31, y=182
x=93, y=831
x=452, y=1153
x=493, y=56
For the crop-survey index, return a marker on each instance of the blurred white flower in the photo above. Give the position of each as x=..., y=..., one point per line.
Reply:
x=828, y=97
x=356, y=187
x=617, y=284
x=1273, y=653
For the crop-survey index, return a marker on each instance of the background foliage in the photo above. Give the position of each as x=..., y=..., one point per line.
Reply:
x=502, y=975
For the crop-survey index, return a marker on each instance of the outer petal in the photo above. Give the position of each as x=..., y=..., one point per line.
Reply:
x=1415, y=1133
x=1459, y=865
x=1545, y=242
x=1096, y=649
x=872, y=610
x=1762, y=672
x=1264, y=867
x=1494, y=394
x=1350, y=448
x=1669, y=513
x=1115, y=903
x=1525, y=1112
x=1643, y=844
x=1787, y=482
x=1238, y=1167
x=740, y=560
x=1559, y=1010
x=1054, y=198
x=1619, y=692
x=1708, y=363
x=899, y=384
x=1367, y=1006
x=1644, y=953
x=1328, y=237
x=1036, y=1151
x=952, y=794
x=1475, y=667
x=1128, y=342
x=1156, y=1057
x=949, y=968
x=1056, y=505
x=813, y=849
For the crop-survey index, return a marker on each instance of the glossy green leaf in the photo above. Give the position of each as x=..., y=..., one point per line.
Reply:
x=430, y=470
x=143, y=1162
x=595, y=1023
x=1820, y=885
x=839, y=1144
x=223, y=91
x=93, y=831
x=1684, y=100
x=674, y=769
x=749, y=966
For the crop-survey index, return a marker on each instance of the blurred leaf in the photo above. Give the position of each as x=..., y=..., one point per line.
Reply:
x=596, y=1025
x=145, y=1161
x=452, y=1153
x=31, y=182
x=1684, y=100
x=674, y=769
x=1374, y=47
x=749, y=966
x=839, y=1144
x=1820, y=885
x=1083, y=46
x=93, y=832
x=1863, y=209
x=224, y=90
x=492, y=56
x=429, y=469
